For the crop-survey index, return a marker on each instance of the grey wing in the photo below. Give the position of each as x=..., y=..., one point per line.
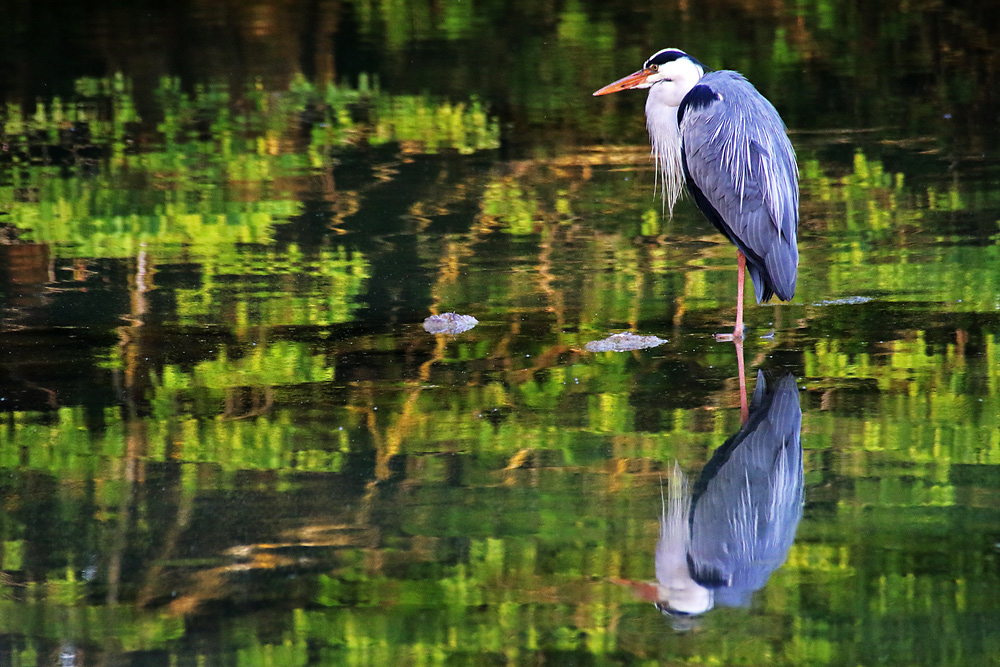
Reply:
x=737, y=154
x=748, y=503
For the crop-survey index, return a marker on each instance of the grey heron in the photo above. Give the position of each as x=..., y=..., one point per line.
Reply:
x=713, y=131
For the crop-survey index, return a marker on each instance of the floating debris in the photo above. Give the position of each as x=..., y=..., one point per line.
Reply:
x=623, y=342
x=449, y=323
x=846, y=301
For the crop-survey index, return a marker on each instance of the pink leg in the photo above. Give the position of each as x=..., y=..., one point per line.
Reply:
x=744, y=408
x=741, y=266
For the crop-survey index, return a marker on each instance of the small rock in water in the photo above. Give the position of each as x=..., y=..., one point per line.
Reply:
x=623, y=342
x=449, y=323
x=844, y=301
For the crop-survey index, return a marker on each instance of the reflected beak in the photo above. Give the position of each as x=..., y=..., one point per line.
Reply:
x=633, y=80
x=642, y=589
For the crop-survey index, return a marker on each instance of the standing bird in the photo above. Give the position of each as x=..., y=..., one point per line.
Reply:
x=715, y=132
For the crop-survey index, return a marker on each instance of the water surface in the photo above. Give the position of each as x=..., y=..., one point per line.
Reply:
x=227, y=437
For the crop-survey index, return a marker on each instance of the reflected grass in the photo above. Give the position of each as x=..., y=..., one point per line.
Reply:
x=284, y=441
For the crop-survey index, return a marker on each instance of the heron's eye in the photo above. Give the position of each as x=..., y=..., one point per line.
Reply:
x=654, y=67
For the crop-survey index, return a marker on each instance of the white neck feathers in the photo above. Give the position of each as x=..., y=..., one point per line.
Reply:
x=661, y=121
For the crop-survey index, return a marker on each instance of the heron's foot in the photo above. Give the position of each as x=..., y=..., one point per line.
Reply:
x=735, y=337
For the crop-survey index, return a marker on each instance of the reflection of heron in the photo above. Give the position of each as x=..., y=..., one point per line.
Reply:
x=714, y=130
x=720, y=541
x=747, y=503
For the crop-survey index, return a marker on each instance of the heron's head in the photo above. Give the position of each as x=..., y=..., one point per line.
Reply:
x=673, y=73
x=684, y=598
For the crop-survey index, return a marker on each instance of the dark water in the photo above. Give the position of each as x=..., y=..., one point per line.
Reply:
x=226, y=437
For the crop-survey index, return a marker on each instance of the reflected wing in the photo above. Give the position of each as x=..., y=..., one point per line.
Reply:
x=748, y=501
x=740, y=166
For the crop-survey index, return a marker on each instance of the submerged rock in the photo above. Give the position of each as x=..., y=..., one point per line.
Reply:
x=623, y=342
x=845, y=301
x=449, y=323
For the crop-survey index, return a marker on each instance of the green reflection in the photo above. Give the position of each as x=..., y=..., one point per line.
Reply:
x=253, y=440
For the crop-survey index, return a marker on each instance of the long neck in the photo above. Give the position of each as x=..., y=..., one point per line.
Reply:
x=664, y=135
x=673, y=576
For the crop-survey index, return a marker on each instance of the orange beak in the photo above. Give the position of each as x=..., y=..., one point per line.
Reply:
x=633, y=80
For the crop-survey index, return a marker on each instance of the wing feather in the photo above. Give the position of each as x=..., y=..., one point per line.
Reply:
x=736, y=152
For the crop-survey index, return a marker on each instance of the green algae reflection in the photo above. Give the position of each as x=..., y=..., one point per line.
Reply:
x=265, y=429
